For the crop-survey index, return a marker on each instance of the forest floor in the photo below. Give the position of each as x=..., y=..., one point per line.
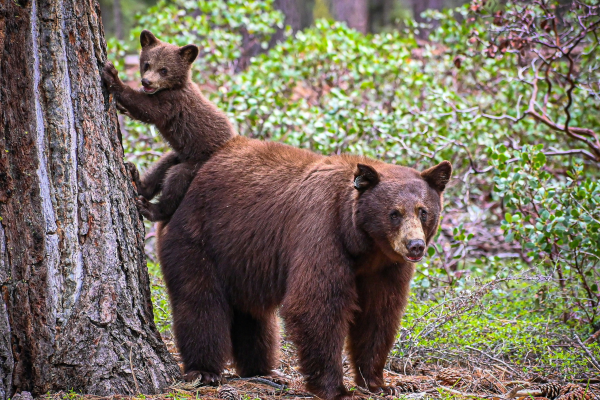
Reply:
x=413, y=379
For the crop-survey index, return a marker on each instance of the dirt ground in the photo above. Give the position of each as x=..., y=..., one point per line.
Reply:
x=412, y=380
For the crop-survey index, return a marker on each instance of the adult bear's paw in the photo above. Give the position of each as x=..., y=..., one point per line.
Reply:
x=344, y=396
x=335, y=394
x=207, y=378
x=390, y=391
x=279, y=378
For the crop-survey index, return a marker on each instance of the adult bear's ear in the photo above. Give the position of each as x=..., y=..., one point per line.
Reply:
x=147, y=38
x=189, y=52
x=365, y=177
x=438, y=177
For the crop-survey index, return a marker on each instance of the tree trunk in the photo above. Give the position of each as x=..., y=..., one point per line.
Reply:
x=118, y=18
x=354, y=12
x=298, y=15
x=75, y=310
x=381, y=14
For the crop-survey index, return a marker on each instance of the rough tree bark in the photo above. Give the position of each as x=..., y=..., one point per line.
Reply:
x=75, y=309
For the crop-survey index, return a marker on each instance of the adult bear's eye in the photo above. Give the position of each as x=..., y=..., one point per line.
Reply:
x=395, y=215
x=423, y=215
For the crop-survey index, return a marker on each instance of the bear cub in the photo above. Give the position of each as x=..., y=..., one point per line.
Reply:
x=193, y=126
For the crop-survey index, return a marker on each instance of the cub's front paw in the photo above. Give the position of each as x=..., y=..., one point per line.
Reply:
x=110, y=76
x=134, y=173
x=207, y=378
x=145, y=208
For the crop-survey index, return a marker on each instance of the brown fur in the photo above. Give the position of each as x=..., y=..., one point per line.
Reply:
x=193, y=126
x=265, y=225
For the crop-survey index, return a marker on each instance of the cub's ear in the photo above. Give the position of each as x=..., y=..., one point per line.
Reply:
x=438, y=177
x=365, y=177
x=147, y=38
x=189, y=52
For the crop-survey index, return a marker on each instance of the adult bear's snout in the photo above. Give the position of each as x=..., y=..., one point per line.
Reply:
x=416, y=249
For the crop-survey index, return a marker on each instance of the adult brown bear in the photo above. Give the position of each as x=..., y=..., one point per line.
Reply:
x=332, y=240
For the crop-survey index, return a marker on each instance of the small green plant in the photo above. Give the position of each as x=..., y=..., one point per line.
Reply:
x=71, y=395
x=160, y=300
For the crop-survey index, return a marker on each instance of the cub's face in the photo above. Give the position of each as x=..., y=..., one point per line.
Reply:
x=399, y=208
x=164, y=66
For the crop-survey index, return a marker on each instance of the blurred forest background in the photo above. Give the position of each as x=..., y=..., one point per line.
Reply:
x=509, y=92
x=365, y=16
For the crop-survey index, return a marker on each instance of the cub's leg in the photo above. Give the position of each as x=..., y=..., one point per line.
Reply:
x=382, y=299
x=152, y=181
x=201, y=313
x=255, y=342
x=317, y=311
x=175, y=186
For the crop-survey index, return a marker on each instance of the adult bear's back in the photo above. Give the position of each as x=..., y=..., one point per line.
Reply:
x=252, y=205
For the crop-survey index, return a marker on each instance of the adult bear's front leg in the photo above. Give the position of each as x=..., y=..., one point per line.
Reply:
x=382, y=299
x=317, y=310
x=201, y=313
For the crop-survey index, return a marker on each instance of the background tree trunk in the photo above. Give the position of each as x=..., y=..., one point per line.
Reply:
x=419, y=6
x=298, y=15
x=381, y=14
x=75, y=310
x=118, y=19
x=354, y=12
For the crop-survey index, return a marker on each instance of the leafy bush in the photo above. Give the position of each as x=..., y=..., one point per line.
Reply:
x=558, y=223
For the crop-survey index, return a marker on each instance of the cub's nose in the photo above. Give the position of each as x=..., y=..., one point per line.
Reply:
x=416, y=248
x=146, y=82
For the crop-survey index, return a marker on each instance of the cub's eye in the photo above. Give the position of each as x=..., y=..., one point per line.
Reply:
x=146, y=66
x=423, y=215
x=395, y=215
x=163, y=71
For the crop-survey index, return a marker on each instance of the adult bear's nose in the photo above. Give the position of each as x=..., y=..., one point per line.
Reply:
x=416, y=248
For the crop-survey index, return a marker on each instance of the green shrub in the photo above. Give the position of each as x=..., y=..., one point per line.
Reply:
x=557, y=221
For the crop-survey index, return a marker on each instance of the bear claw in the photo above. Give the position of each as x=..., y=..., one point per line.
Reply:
x=110, y=74
x=144, y=207
x=207, y=378
x=279, y=378
x=133, y=171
